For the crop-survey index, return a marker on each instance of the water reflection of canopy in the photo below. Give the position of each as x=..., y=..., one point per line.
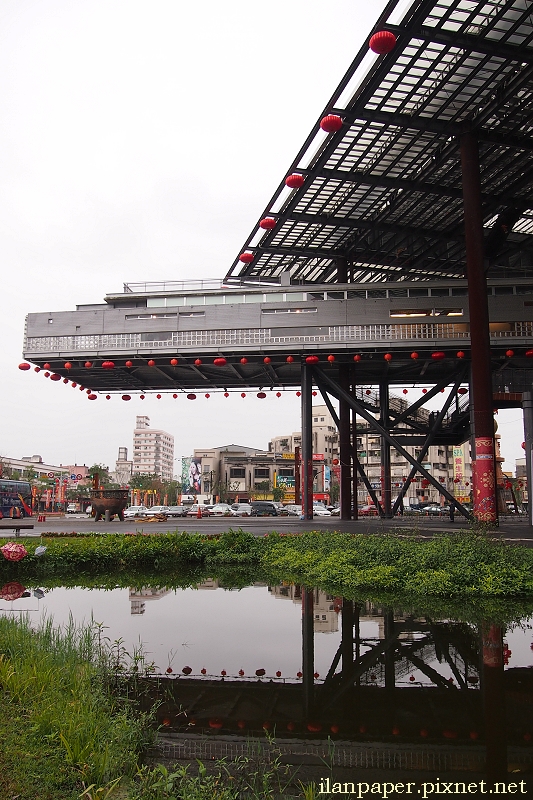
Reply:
x=381, y=198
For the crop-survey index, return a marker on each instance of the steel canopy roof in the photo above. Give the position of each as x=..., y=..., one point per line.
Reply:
x=382, y=197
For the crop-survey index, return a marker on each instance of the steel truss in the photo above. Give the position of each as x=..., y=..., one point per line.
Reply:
x=348, y=402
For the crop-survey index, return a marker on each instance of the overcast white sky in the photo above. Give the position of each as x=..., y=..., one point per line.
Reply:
x=141, y=141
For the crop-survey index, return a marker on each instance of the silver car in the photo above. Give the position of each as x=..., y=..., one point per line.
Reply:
x=241, y=510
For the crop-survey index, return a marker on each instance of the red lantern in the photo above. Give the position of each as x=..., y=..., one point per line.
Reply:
x=334, y=728
x=82, y=388
x=414, y=356
x=74, y=385
x=169, y=670
x=203, y=671
x=246, y=258
x=312, y=360
x=278, y=674
x=91, y=396
x=405, y=391
x=24, y=366
x=141, y=397
x=294, y=181
x=186, y=670
x=267, y=360
x=223, y=673
x=509, y=353
x=226, y=394
x=331, y=358
x=243, y=394
x=216, y=724
x=298, y=394
x=191, y=397
x=267, y=223
x=298, y=675
x=129, y=364
x=241, y=724
x=368, y=391
x=278, y=394
x=126, y=397
x=108, y=397
x=46, y=374
x=68, y=365
x=261, y=395
x=316, y=675
x=357, y=358
x=158, y=396
x=335, y=461
x=55, y=377
x=175, y=396
x=36, y=369
x=523, y=445
x=290, y=725
x=396, y=731
x=207, y=396
x=314, y=394
x=529, y=353
x=331, y=123
x=198, y=362
x=260, y=672
x=424, y=391
x=88, y=364
x=151, y=363
x=47, y=366
x=65, y=380
x=438, y=356
x=314, y=727
x=174, y=362
x=241, y=672
x=460, y=354
x=388, y=357
x=289, y=359
x=220, y=362
x=462, y=390
x=382, y=42
x=244, y=360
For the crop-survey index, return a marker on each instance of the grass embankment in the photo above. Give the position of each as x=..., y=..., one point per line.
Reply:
x=62, y=724
x=463, y=565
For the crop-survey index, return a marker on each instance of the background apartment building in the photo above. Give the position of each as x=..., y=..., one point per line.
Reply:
x=153, y=450
x=451, y=466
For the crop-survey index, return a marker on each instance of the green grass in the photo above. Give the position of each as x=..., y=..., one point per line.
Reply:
x=464, y=565
x=62, y=724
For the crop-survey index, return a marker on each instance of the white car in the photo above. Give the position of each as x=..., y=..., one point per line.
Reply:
x=135, y=511
x=321, y=511
x=156, y=511
x=241, y=510
x=221, y=510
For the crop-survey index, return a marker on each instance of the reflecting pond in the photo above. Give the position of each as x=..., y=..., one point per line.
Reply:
x=383, y=684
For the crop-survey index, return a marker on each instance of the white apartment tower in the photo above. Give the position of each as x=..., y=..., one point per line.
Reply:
x=153, y=450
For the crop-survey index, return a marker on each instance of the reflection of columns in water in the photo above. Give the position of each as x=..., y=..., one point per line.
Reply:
x=494, y=702
x=308, y=651
x=347, y=640
x=390, y=672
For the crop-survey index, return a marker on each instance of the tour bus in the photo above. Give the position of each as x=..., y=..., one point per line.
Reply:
x=15, y=498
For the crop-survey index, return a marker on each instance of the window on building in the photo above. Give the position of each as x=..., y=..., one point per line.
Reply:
x=237, y=472
x=259, y=472
x=285, y=473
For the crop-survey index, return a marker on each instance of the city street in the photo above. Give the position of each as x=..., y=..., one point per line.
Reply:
x=514, y=529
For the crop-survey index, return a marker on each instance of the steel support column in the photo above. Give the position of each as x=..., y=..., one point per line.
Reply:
x=527, y=405
x=485, y=507
x=307, y=442
x=386, y=491
x=345, y=446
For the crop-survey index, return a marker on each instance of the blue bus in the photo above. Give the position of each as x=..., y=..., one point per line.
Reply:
x=15, y=498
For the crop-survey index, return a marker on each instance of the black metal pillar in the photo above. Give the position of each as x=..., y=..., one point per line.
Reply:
x=307, y=442
x=386, y=494
x=308, y=651
x=485, y=507
x=345, y=446
x=527, y=405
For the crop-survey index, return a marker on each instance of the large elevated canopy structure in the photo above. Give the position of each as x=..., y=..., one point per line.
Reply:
x=381, y=198
x=418, y=174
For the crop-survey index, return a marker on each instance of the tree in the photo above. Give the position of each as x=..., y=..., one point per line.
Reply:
x=264, y=488
x=104, y=478
x=278, y=494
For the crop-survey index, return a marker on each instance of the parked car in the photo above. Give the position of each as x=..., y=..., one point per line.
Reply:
x=156, y=511
x=241, y=510
x=293, y=510
x=135, y=511
x=177, y=511
x=367, y=511
x=321, y=511
x=72, y=508
x=193, y=510
x=221, y=510
x=263, y=508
